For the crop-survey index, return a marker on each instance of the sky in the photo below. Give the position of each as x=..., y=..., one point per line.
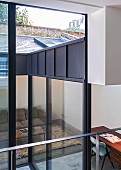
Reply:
x=51, y=18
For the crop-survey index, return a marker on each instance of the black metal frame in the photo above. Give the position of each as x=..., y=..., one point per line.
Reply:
x=30, y=117
x=86, y=107
x=12, y=79
x=48, y=124
x=12, y=97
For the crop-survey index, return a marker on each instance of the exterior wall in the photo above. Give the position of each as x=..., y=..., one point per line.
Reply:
x=96, y=47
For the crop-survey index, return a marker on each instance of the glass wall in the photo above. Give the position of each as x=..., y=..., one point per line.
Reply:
x=66, y=102
x=21, y=117
x=66, y=99
x=39, y=118
x=65, y=114
x=3, y=84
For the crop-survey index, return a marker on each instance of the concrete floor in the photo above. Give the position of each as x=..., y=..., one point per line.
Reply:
x=23, y=168
x=74, y=162
x=107, y=164
x=70, y=162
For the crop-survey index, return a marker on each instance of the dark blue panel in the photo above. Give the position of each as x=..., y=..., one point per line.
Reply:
x=50, y=62
x=41, y=63
x=76, y=60
x=34, y=64
x=29, y=64
x=60, y=62
x=21, y=65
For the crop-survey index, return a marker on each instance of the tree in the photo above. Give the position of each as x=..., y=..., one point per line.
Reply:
x=3, y=13
x=22, y=17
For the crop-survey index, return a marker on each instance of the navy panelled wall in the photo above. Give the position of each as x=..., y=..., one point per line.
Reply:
x=41, y=64
x=34, y=64
x=21, y=64
x=60, y=62
x=65, y=61
x=50, y=62
x=76, y=55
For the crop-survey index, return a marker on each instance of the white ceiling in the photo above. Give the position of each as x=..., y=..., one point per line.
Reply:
x=83, y=6
x=96, y=2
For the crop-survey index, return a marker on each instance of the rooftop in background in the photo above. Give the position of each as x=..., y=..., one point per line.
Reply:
x=26, y=44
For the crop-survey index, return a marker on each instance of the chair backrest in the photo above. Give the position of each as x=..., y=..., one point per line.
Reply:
x=93, y=140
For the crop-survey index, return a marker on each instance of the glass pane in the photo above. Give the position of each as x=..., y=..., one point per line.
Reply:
x=66, y=108
x=21, y=117
x=3, y=84
x=4, y=161
x=71, y=157
x=66, y=105
x=39, y=157
x=66, y=161
x=39, y=117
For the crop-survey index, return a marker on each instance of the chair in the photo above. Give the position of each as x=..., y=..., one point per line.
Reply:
x=104, y=150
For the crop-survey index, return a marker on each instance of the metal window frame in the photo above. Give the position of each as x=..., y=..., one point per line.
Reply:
x=48, y=124
x=12, y=80
x=86, y=107
x=30, y=99
x=12, y=91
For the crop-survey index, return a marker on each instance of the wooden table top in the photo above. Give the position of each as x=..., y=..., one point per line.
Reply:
x=116, y=146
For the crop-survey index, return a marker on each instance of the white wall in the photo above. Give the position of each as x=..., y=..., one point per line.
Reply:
x=106, y=106
x=39, y=92
x=96, y=47
x=73, y=104
x=105, y=66
x=104, y=49
x=106, y=101
x=57, y=99
x=21, y=91
x=4, y=98
x=113, y=46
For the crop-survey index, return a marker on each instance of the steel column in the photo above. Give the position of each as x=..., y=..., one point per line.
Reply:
x=30, y=117
x=97, y=152
x=12, y=80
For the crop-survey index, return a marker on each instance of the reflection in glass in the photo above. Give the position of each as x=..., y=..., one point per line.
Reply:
x=66, y=108
x=67, y=160
x=3, y=84
x=22, y=117
x=66, y=104
x=39, y=118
